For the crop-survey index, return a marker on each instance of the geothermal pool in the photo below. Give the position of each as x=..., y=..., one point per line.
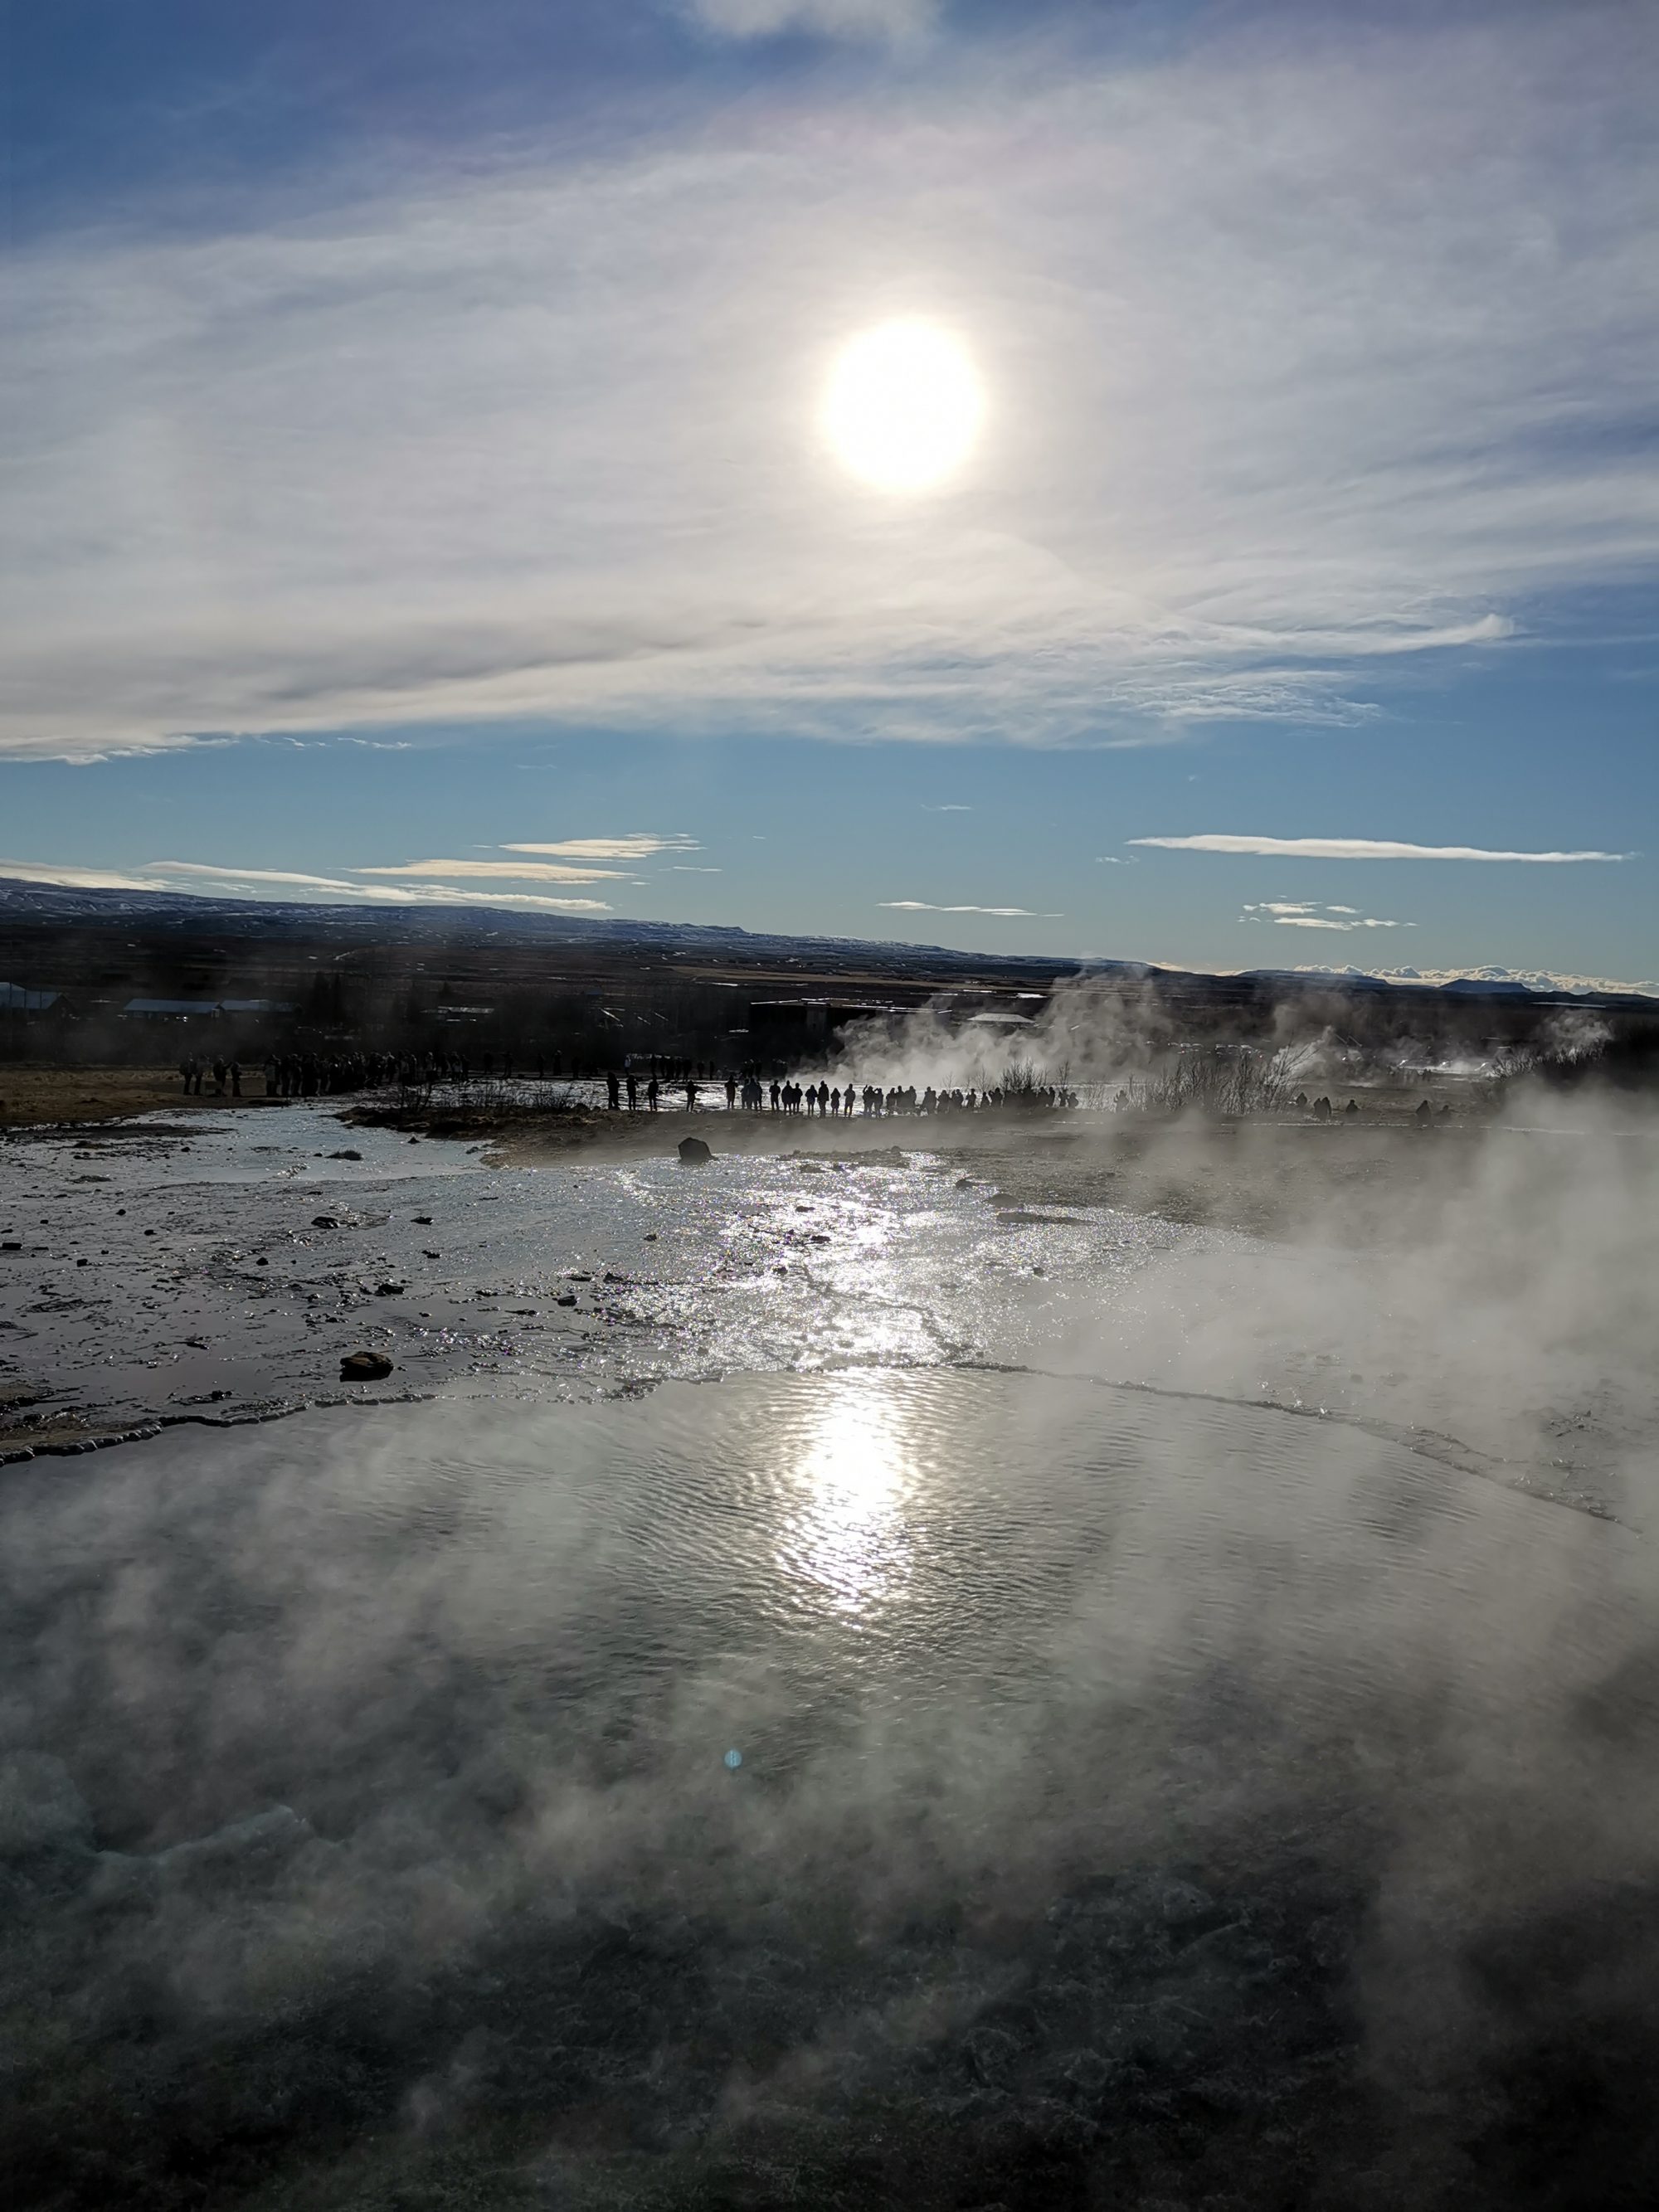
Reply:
x=972, y=1788
x=840, y=1693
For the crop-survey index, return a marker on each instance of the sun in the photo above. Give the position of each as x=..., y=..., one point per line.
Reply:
x=904, y=406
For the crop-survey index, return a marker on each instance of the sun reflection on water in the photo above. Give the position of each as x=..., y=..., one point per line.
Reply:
x=847, y=1538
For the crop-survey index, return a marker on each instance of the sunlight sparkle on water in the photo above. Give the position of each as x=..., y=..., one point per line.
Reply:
x=848, y=1538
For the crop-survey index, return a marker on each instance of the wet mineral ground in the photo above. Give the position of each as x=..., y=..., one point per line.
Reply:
x=218, y=1269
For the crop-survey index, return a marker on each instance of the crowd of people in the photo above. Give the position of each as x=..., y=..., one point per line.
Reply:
x=321, y=1074
x=641, y=1084
x=750, y=1093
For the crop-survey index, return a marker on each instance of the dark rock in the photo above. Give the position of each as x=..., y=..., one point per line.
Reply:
x=325, y=1221
x=694, y=1153
x=346, y=1155
x=421, y=1220
x=365, y=1367
x=567, y=1298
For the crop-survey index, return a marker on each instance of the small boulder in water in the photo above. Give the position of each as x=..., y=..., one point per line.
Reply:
x=365, y=1367
x=694, y=1153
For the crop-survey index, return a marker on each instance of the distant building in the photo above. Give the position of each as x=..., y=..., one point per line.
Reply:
x=17, y=999
x=170, y=1010
x=201, y=1010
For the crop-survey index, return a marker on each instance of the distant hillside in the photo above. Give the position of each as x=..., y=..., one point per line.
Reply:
x=188, y=913
x=72, y=938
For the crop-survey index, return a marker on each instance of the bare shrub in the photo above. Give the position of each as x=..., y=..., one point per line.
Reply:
x=1226, y=1081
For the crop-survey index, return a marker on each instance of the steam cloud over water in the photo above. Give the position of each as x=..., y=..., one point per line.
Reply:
x=1142, y=1795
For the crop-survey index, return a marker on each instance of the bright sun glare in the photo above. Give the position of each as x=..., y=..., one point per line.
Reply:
x=904, y=406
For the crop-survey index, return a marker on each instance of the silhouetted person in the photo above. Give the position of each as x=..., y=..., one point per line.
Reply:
x=613, y=1089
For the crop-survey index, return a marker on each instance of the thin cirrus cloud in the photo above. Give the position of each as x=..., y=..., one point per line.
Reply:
x=529, y=871
x=1413, y=416
x=203, y=875
x=926, y=906
x=1358, y=849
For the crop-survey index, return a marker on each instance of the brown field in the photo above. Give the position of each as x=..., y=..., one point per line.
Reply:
x=33, y=1096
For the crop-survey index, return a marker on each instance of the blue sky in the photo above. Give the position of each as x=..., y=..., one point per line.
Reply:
x=412, y=443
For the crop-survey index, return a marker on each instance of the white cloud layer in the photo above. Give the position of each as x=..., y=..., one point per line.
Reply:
x=205, y=876
x=1357, y=849
x=926, y=906
x=70, y=878
x=610, y=848
x=1535, y=979
x=1300, y=358
x=536, y=871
